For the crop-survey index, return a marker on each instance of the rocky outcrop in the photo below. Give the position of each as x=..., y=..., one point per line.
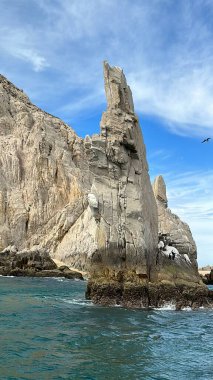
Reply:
x=152, y=295
x=171, y=228
x=81, y=200
x=32, y=263
x=122, y=200
x=129, y=268
x=210, y=278
x=206, y=274
x=89, y=203
x=117, y=231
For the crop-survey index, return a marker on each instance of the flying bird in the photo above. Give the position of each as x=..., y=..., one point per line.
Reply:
x=206, y=140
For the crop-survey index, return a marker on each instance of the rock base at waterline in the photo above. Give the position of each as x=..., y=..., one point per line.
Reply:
x=33, y=264
x=150, y=295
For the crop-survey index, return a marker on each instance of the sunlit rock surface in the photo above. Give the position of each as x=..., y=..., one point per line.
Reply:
x=125, y=210
x=44, y=177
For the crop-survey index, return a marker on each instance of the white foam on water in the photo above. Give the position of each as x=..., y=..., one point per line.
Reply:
x=187, y=308
x=171, y=306
x=166, y=306
x=60, y=279
x=1, y=275
x=78, y=302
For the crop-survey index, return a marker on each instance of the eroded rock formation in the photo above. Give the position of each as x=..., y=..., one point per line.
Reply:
x=133, y=272
x=89, y=202
x=169, y=225
x=77, y=198
x=32, y=263
x=122, y=201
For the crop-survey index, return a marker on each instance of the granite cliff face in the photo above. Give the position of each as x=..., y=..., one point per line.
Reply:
x=43, y=176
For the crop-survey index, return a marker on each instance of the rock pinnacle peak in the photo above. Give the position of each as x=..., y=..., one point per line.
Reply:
x=159, y=188
x=118, y=93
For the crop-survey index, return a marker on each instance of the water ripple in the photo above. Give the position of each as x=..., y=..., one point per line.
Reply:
x=49, y=331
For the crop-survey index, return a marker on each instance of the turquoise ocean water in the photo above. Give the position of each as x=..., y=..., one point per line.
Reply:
x=48, y=331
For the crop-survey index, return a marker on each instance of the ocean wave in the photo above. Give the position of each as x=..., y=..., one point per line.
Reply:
x=166, y=306
x=171, y=306
x=60, y=279
x=79, y=302
x=1, y=275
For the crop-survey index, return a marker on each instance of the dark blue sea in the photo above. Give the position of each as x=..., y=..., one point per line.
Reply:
x=49, y=331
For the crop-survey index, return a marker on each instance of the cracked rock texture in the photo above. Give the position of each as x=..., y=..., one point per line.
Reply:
x=170, y=224
x=122, y=201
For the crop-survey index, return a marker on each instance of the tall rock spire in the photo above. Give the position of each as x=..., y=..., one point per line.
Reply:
x=127, y=214
x=127, y=268
x=159, y=188
x=118, y=93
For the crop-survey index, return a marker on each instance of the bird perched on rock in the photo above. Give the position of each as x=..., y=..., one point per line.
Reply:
x=206, y=140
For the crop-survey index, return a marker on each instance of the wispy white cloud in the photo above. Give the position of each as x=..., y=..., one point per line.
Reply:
x=182, y=98
x=161, y=154
x=38, y=62
x=19, y=46
x=86, y=102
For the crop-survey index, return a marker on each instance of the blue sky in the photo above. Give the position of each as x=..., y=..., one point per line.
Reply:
x=53, y=49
